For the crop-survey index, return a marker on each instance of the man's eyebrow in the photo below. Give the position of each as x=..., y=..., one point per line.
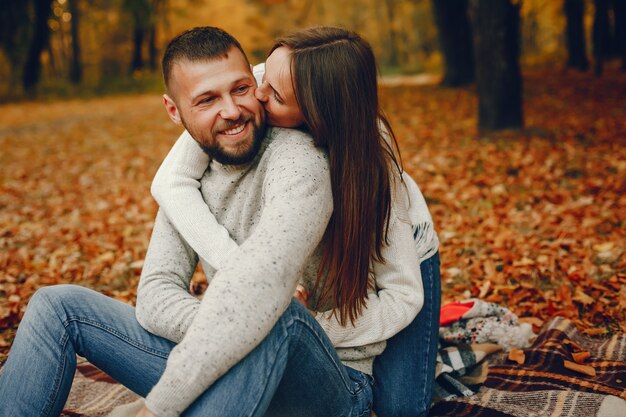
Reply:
x=213, y=92
x=203, y=94
x=242, y=79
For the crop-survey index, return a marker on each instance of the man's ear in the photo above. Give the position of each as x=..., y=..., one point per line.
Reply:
x=171, y=109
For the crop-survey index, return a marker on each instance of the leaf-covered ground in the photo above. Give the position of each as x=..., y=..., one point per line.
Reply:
x=534, y=220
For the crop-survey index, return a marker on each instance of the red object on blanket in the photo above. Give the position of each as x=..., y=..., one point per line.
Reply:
x=452, y=312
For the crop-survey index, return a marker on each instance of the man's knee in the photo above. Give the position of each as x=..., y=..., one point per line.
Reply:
x=48, y=299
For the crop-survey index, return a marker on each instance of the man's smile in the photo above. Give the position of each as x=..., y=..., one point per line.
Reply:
x=235, y=130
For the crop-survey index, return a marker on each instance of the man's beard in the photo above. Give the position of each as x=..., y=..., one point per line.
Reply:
x=244, y=154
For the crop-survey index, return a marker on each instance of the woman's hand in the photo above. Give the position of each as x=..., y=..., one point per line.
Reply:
x=302, y=295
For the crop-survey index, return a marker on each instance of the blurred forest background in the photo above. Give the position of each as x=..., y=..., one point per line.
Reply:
x=518, y=145
x=86, y=47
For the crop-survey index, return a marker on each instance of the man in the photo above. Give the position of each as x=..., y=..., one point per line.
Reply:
x=277, y=219
x=247, y=342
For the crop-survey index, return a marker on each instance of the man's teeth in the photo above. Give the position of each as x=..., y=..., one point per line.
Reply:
x=235, y=130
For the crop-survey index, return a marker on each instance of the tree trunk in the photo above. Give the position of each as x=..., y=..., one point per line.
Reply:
x=153, y=55
x=138, y=36
x=455, y=39
x=601, y=35
x=40, y=40
x=14, y=31
x=393, y=36
x=141, y=13
x=498, y=80
x=76, y=68
x=575, y=35
x=158, y=12
x=619, y=12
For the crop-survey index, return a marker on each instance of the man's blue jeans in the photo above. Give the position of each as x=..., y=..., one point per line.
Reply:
x=293, y=372
x=405, y=371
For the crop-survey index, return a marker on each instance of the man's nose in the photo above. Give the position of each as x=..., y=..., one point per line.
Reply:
x=230, y=110
x=261, y=93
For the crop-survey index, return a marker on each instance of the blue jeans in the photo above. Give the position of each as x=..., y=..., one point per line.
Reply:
x=405, y=371
x=293, y=372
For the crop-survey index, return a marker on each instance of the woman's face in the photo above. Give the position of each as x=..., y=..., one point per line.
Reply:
x=277, y=94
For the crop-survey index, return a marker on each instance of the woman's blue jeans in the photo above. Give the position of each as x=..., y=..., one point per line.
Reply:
x=405, y=371
x=293, y=372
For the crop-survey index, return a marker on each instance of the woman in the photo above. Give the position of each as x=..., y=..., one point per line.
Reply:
x=324, y=80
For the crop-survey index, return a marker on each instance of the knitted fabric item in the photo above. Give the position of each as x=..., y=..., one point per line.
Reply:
x=488, y=323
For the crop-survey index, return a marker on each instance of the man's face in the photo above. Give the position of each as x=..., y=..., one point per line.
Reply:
x=215, y=102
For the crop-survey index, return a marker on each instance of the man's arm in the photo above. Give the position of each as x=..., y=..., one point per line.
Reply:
x=176, y=187
x=249, y=294
x=164, y=305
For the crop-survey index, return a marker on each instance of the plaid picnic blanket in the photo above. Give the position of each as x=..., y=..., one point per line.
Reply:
x=94, y=393
x=543, y=385
x=462, y=368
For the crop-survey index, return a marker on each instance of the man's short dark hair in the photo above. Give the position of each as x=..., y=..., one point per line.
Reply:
x=198, y=44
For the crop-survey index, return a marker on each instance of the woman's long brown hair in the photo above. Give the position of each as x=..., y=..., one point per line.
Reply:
x=334, y=77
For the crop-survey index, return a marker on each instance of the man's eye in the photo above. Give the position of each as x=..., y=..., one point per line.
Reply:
x=207, y=100
x=243, y=89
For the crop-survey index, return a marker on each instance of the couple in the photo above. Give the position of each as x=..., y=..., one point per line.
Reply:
x=323, y=212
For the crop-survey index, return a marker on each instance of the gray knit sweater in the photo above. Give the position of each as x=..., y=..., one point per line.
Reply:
x=276, y=209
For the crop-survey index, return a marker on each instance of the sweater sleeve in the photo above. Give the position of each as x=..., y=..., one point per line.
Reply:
x=176, y=187
x=424, y=233
x=399, y=296
x=164, y=305
x=253, y=289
